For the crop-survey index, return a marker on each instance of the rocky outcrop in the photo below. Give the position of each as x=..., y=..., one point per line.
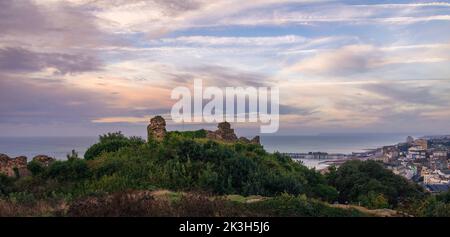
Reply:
x=157, y=128
x=223, y=133
x=13, y=167
x=44, y=160
x=256, y=140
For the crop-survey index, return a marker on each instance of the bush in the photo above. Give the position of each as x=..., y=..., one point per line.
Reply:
x=111, y=142
x=372, y=184
x=433, y=206
x=287, y=205
x=35, y=167
x=373, y=200
x=6, y=184
x=63, y=171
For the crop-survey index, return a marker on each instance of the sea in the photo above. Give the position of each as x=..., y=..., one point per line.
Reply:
x=59, y=147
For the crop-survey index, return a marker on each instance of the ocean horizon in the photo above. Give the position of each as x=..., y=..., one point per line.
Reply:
x=59, y=147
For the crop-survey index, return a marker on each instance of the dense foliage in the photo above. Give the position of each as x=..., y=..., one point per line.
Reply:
x=370, y=184
x=188, y=162
x=299, y=206
x=5, y=185
x=181, y=162
x=111, y=142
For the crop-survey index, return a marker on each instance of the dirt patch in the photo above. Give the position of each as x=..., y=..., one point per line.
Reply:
x=375, y=212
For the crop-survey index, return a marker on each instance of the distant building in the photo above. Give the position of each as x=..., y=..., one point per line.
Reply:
x=407, y=171
x=444, y=173
x=435, y=176
x=416, y=152
x=390, y=153
x=438, y=160
x=296, y=156
x=409, y=140
x=439, y=154
x=437, y=188
x=317, y=155
x=421, y=143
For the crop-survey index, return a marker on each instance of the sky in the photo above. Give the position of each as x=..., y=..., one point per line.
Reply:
x=86, y=67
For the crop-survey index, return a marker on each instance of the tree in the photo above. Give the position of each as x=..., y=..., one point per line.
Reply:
x=71, y=170
x=366, y=181
x=5, y=185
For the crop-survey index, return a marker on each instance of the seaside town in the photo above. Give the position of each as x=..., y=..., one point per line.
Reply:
x=424, y=160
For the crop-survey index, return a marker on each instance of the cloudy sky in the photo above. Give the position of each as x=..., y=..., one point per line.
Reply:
x=84, y=67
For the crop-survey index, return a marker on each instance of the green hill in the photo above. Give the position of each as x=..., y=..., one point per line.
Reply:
x=222, y=176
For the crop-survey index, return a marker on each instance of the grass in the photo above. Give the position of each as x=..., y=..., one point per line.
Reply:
x=242, y=199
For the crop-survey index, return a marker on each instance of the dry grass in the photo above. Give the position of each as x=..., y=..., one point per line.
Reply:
x=38, y=208
x=374, y=212
x=152, y=204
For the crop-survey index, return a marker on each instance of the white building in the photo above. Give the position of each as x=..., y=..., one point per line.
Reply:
x=416, y=152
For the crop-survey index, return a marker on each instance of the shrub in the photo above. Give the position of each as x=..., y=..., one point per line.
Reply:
x=72, y=170
x=35, y=167
x=111, y=142
x=287, y=205
x=373, y=200
x=369, y=182
x=6, y=184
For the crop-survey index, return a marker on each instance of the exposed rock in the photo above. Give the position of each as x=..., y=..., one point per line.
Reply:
x=224, y=126
x=256, y=140
x=8, y=166
x=44, y=160
x=157, y=128
x=223, y=133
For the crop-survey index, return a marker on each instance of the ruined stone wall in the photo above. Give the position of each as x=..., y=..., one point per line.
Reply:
x=44, y=160
x=9, y=165
x=226, y=133
x=157, y=128
x=223, y=133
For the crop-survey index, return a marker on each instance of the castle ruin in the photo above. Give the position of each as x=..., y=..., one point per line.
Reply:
x=13, y=167
x=157, y=130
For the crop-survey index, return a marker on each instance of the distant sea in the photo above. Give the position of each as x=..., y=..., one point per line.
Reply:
x=331, y=143
x=59, y=147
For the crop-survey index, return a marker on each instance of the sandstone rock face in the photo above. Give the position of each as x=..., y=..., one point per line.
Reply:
x=8, y=166
x=44, y=160
x=226, y=133
x=157, y=128
x=225, y=126
x=223, y=133
x=256, y=140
